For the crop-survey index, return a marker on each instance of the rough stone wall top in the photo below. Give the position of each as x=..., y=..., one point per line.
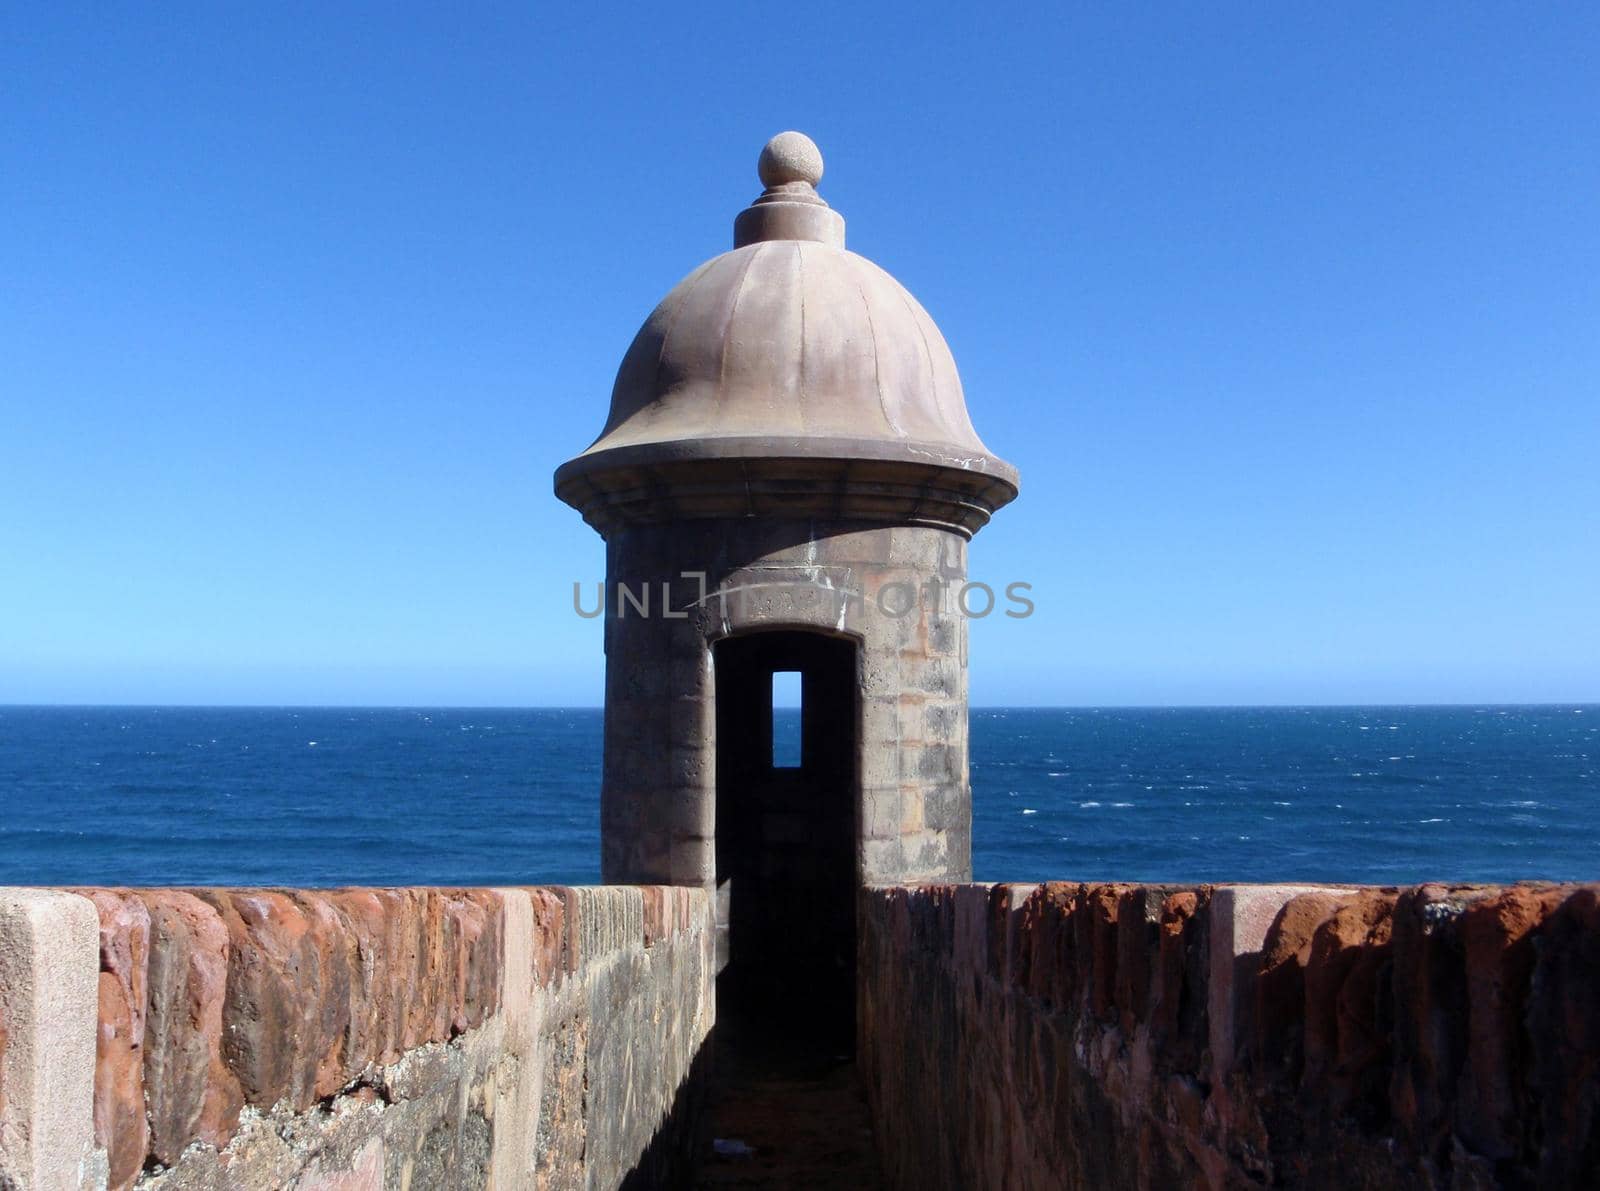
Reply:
x=423, y=1037
x=789, y=348
x=1115, y=1036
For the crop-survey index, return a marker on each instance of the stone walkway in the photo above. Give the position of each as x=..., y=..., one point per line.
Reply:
x=802, y=1115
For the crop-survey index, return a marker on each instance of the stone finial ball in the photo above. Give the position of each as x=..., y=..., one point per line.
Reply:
x=790, y=157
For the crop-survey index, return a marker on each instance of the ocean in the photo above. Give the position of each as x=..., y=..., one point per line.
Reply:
x=342, y=796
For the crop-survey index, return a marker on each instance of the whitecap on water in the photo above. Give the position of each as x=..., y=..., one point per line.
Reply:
x=1087, y=805
x=1028, y=810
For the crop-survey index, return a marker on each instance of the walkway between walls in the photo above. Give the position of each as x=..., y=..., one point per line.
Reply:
x=799, y=1111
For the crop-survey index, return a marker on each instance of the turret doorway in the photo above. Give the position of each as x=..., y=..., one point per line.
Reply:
x=786, y=830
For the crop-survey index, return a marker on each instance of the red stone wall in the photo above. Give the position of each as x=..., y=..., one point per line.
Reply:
x=1111, y=1036
x=214, y=999
x=320, y=1011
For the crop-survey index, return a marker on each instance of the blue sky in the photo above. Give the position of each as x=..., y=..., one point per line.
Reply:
x=1290, y=317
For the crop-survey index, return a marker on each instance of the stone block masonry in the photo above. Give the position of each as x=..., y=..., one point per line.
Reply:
x=1130, y=1036
x=1061, y=1035
x=47, y=1040
x=361, y=1038
x=774, y=575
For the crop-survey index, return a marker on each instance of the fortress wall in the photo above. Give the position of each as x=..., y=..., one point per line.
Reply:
x=353, y=1039
x=1122, y=1036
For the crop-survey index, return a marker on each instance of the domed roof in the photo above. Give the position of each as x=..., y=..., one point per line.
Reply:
x=789, y=356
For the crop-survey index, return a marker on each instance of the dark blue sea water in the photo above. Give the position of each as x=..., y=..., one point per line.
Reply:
x=301, y=796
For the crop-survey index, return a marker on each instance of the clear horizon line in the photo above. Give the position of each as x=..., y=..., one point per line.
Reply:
x=64, y=706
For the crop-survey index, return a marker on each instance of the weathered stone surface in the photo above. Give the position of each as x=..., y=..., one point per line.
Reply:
x=1280, y=980
x=1009, y=1036
x=1178, y=1019
x=477, y=924
x=190, y=1091
x=1097, y=946
x=655, y=914
x=1432, y=1037
x=549, y=917
x=353, y=1038
x=656, y=821
x=1561, y=1125
x=365, y=1173
x=1430, y=1026
x=1499, y=936
x=1138, y=942
x=1348, y=1022
x=322, y=987
x=1048, y=968
x=572, y=928
x=328, y=996
x=49, y=948
x=276, y=987
x=120, y=1126
x=378, y=991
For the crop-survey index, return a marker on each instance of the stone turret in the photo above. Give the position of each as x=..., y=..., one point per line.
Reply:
x=787, y=481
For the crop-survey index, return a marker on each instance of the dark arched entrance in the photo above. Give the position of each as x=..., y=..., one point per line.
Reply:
x=786, y=838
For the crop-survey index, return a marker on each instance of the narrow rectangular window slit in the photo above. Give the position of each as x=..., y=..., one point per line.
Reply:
x=786, y=713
